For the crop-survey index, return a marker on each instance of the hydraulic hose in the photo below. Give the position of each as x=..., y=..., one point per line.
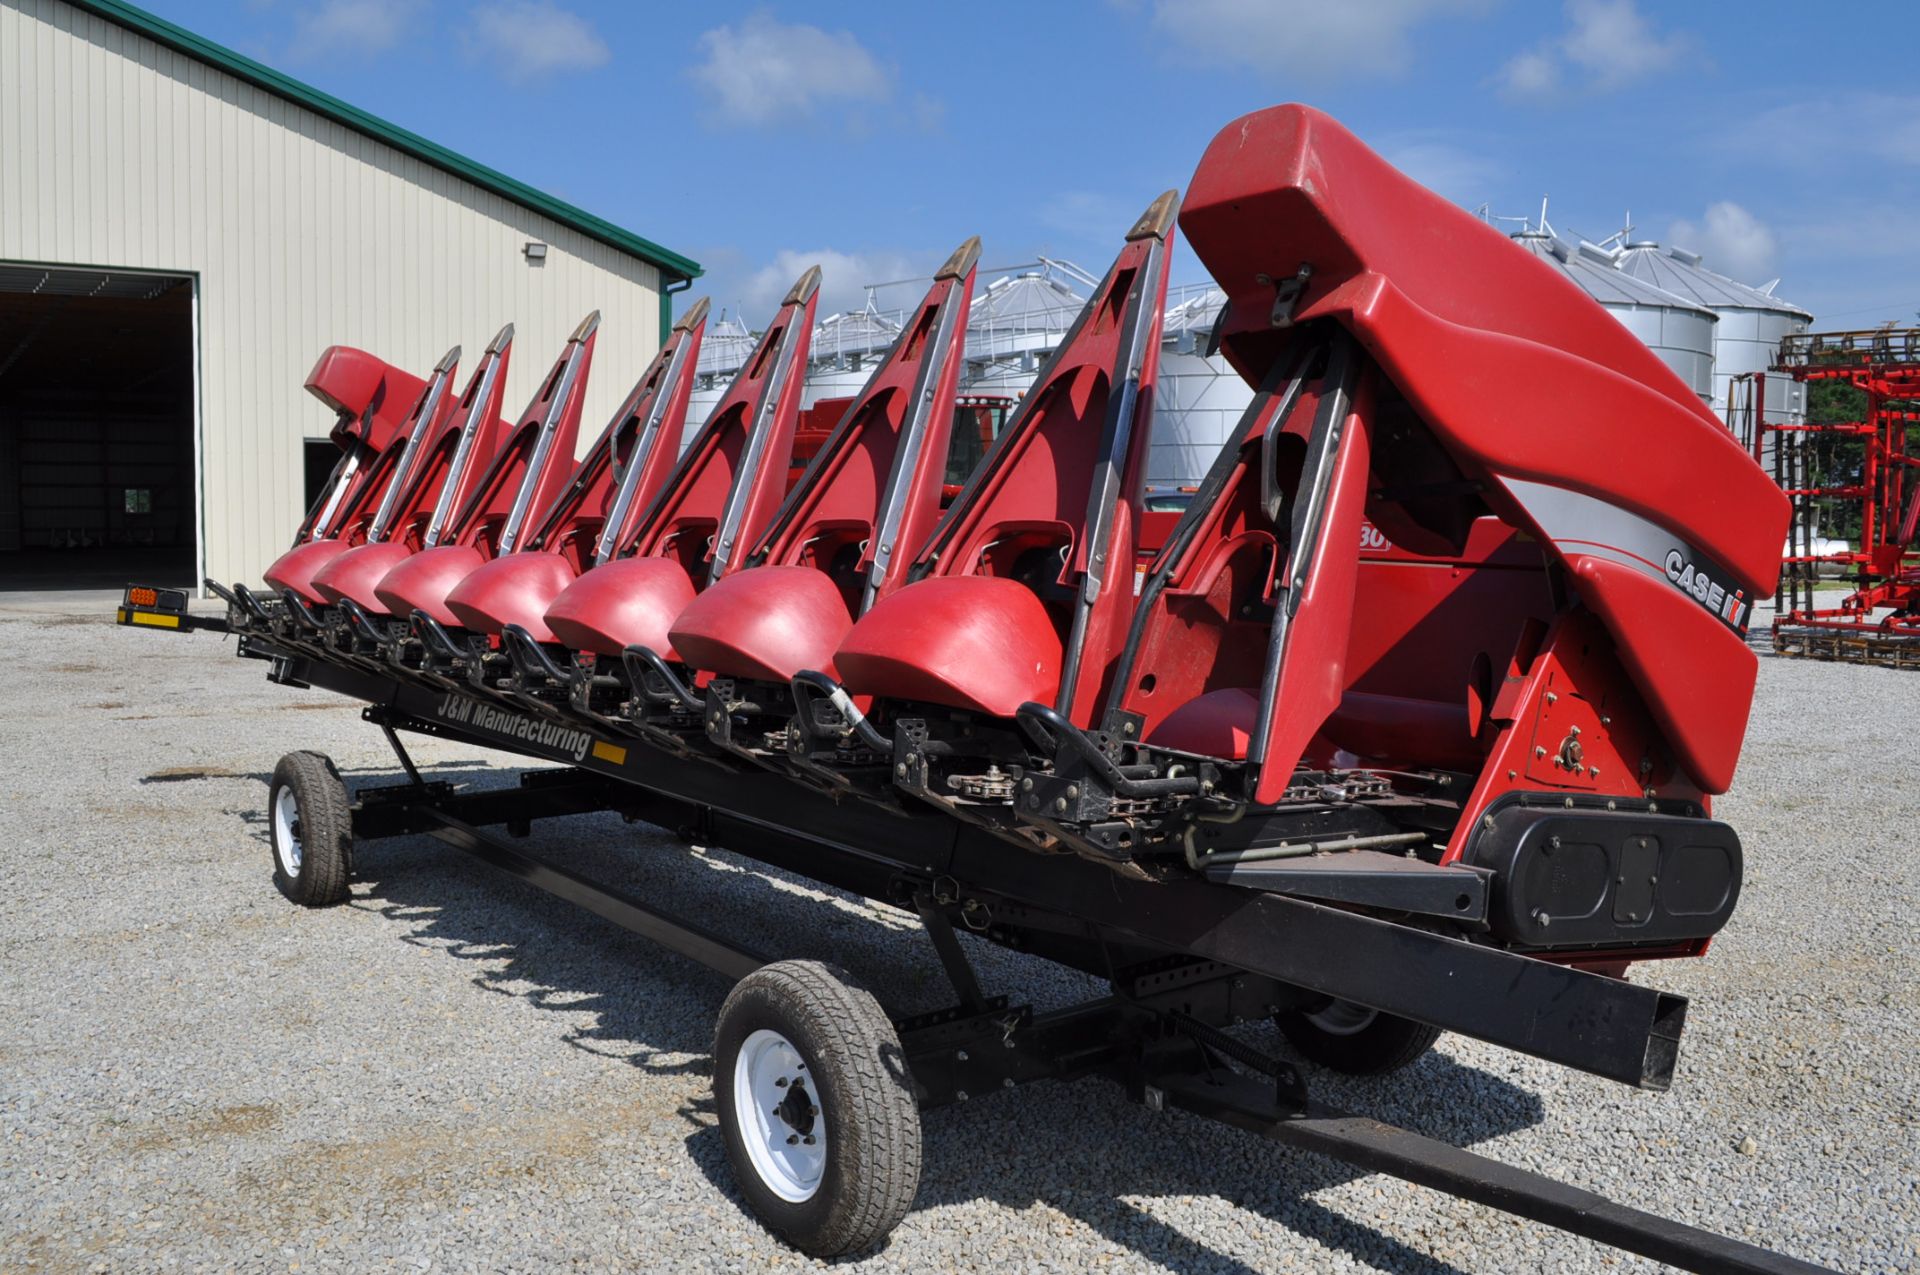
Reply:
x=1049, y=730
x=837, y=695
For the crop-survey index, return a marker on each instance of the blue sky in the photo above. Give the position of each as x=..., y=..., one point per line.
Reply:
x=1776, y=139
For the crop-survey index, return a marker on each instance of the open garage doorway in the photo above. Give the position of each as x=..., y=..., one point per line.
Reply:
x=97, y=478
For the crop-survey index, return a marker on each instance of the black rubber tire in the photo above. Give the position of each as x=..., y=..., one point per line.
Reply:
x=325, y=829
x=865, y=1098
x=1385, y=1044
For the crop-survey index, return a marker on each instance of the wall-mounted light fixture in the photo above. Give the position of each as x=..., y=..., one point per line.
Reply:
x=536, y=253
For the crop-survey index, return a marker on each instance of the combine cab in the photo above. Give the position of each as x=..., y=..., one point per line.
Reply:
x=1407, y=720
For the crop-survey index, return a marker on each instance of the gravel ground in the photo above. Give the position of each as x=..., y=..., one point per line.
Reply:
x=455, y=1072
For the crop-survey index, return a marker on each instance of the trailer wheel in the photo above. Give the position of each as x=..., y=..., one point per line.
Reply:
x=311, y=825
x=816, y=1106
x=1343, y=1036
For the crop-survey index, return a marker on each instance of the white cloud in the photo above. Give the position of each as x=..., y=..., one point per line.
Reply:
x=843, y=280
x=763, y=71
x=1615, y=43
x=529, y=39
x=1535, y=73
x=1609, y=43
x=1443, y=167
x=1846, y=128
x=358, y=27
x=1730, y=240
x=1086, y=216
x=1305, y=39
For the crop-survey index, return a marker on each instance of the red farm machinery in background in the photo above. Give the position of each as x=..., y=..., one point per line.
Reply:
x=1879, y=621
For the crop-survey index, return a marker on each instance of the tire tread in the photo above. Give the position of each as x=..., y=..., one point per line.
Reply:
x=880, y=1120
x=326, y=829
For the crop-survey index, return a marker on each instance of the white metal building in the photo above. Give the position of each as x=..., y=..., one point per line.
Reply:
x=1199, y=398
x=183, y=230
x=1752, y=322
x=1680, y=331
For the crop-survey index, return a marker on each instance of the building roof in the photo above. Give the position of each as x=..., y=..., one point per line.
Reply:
x=671, y=264
x=1681, y=272
x=1594, y=270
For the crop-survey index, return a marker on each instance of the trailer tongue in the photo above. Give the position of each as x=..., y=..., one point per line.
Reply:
x=1407, y=729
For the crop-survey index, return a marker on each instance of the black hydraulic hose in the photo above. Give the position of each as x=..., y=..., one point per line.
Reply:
x=639, y=659
x=1049, y=729
x=837, y=695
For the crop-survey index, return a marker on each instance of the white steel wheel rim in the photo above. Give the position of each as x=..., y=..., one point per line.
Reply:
x=1343, y=1018
x=286, y=831
x=777, y=1104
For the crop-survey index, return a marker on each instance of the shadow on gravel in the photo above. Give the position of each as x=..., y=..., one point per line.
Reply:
x=1081, y=1149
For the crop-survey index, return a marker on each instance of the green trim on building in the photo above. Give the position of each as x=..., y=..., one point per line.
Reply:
x=672, y=265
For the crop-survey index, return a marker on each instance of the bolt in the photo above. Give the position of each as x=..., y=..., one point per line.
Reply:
x=1513, y=774
x=1060, y=804
x=900, y=769
x=1026, y=785
x=1653, y=880
x=959, y=1095
x=808, y=1139
x=781, y=1083
x=1554, y=842
x=959, y=1055
x=1541, y=918
x=1073, y=790
x=1007, y=1083
x=793, y=1139
x=1552, y=698
x=1539, y=750
x=1593, y=772
x=1127, y=728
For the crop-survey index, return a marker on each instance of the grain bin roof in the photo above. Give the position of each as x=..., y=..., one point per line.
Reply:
x=1680, y=272
x=1594, y=270
x=671, y=264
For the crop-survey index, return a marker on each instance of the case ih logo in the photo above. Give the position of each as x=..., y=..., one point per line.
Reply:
x=1730, y=605
x=475, y=715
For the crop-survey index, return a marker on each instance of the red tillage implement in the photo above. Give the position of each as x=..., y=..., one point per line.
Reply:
x=1409, y=726
x=1879, y=622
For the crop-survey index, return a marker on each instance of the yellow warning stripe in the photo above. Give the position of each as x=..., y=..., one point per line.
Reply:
x=149, y=618
x=609, y=752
